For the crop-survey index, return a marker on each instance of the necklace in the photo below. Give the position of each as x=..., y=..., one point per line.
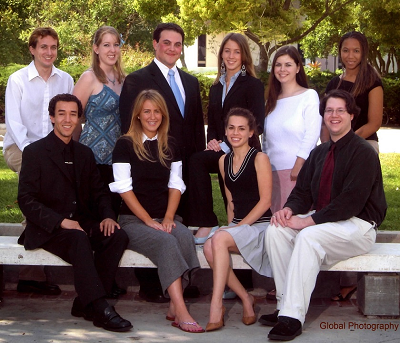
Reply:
x=112, y=81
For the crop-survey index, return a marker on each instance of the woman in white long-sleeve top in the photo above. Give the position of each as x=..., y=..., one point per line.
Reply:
x=292, y=124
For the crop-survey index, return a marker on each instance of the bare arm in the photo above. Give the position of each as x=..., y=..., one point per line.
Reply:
x=174, y=196
x=296, y=168
x=264, y=179
x=137, y=209
x=375, y=113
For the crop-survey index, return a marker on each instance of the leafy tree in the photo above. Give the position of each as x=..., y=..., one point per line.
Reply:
x=270, y=24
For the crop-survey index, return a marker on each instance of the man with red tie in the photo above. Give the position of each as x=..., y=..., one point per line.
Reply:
x=341, y=182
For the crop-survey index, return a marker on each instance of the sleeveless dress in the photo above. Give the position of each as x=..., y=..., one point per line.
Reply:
x=103, y=125
x=244, y=189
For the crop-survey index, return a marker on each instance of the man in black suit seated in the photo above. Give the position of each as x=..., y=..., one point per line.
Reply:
x=185, y=116
x=69, y=213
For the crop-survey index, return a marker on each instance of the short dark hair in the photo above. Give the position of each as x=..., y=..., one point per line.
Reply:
x=254, y=141
x=41, y=32
x=67, y=98
x=167, y=26
x=351, y=106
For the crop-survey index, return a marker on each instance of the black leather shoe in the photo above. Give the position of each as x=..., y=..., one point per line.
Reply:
x=110, y=320
x=39, y=287
x=287, y=329
x=78, y=310
x=153, y=296
x=116, y=291
x=269, y=319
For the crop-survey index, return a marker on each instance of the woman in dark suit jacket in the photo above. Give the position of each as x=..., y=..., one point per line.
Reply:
x=236, y=85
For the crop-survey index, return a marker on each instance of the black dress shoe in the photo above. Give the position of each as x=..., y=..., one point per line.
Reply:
x=153, y=296
x=269, y=319
x=110, y=320
x=116, y=291
x=78, y=310
x=287, y=329
x=39, y=287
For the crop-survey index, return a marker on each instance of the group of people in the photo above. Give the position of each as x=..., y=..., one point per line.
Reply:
x=139, y=174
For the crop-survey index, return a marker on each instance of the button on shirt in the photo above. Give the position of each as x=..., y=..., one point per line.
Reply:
x=26, y=104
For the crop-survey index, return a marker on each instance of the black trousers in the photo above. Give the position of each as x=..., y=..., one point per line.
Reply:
x=94, y=273
x=201, y=212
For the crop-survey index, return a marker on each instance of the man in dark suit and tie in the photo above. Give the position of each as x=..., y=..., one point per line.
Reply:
x=181, y=92
x=69, y=213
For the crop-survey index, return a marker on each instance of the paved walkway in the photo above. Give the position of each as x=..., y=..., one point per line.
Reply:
x=32, y=318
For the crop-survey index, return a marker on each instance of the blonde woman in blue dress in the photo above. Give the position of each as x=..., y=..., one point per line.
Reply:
x=99, y=89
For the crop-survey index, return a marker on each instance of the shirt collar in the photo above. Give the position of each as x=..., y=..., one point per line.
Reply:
x=164, y=69
x=233, y=78
x=145, y=138
x=32, y=71
x=344, y=140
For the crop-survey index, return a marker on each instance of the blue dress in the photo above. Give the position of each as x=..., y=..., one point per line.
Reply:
x=103, y=125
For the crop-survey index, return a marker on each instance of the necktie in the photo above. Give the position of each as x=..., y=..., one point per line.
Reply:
x=325, y=184
x=176, y=91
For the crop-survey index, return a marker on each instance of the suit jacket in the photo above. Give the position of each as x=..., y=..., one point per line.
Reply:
x=47, y=194
x=247, y=92
x=188, y=132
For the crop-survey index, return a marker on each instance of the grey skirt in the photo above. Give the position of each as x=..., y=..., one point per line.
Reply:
x=250, y=241
x=173, y=253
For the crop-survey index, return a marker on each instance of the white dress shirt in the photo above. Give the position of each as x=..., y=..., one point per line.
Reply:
x=27, y=101
x=164, y=70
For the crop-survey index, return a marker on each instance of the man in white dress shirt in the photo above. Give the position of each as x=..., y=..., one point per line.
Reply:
x=27, y=97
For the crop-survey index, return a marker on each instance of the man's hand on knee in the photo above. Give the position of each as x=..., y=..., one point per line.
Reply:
x=108, y=225
x=69, y=224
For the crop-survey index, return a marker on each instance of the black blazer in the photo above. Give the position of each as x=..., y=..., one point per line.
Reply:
x=46, y=191
x=246, y=92
x=188, y=132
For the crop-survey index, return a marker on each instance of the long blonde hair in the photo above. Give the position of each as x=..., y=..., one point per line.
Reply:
x=97, y=39
x=135, y=132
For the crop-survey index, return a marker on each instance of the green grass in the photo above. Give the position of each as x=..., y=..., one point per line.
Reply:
x=10, y=212
x=391, y=181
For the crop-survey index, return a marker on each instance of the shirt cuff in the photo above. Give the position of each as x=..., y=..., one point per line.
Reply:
x=175, y=177
x=122, y=177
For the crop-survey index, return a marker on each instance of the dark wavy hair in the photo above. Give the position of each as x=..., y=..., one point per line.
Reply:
x=351, y=106
x=167, y=26
x=42, y=32
x=274, y=86
x=367, y=74
x=254, y=140
x=67, y=98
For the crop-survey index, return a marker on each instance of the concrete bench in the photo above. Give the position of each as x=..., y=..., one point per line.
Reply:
x=378, y=287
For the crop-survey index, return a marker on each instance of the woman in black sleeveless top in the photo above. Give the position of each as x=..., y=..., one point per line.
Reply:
x=248, y=185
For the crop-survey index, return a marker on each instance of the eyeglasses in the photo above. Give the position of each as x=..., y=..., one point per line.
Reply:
x=338, y=111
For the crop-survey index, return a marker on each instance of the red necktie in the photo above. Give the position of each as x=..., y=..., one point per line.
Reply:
x=325, y=184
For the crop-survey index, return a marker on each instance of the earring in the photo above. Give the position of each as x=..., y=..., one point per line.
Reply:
x=223, y=70
x=243, y=70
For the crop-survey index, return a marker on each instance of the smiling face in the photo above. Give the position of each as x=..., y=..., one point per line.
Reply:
x=232, y=57
x=45, y=52
x=150, y=117
x=285, y=69
x=337, y=119
x=108, y=50
x=169, y=47
x=65, y=119
x=351, y=54
x=238, y=131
